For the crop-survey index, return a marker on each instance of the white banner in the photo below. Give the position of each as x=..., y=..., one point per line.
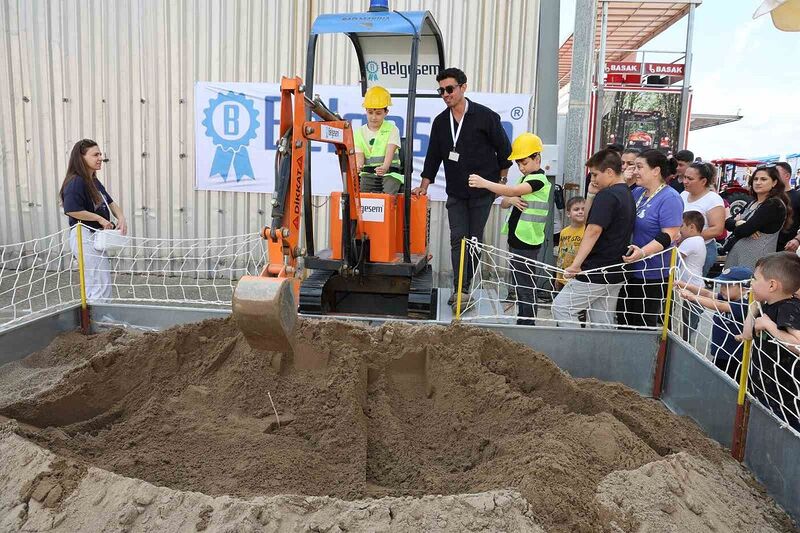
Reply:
x=236, y=128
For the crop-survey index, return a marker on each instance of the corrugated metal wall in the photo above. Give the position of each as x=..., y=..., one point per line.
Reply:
x=122, y=72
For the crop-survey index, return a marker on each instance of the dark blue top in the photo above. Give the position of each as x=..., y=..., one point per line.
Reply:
x=77, y=198
x=664, y=210
x=726, y=327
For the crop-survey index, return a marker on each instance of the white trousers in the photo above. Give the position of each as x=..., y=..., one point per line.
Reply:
x=96, y=267
x=599, y=300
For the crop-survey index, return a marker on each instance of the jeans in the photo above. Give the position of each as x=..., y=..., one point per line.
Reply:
x=711, y=257
x=524, y=275
x=600, y=299
x=690, y=316
x=467, y=218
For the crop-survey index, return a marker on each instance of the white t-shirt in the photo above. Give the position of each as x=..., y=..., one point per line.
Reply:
x=704, y=204
x=693, y=256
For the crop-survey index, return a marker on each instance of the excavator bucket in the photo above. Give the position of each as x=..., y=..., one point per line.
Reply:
x=266, y=312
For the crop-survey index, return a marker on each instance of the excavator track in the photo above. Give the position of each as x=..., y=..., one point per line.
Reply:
x=315, y=295
x=312, y=292
x=421, y=296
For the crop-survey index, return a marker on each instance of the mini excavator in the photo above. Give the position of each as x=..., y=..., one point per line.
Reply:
x=378, y=262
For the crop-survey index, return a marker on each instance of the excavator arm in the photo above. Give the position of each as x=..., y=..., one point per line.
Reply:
x=264, y=306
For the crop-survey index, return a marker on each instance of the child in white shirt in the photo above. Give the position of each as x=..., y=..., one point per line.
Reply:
x=692, y=250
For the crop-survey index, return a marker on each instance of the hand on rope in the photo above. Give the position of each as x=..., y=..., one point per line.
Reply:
x=571, y=271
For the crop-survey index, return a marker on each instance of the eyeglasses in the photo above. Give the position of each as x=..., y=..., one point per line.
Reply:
x=449, y=89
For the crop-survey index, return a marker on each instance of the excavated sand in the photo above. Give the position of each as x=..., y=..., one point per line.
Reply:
x=178, y=431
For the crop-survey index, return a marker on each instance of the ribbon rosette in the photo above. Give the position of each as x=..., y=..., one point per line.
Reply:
x=232, y=148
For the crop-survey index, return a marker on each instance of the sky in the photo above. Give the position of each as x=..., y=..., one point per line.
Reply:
x=739, y=65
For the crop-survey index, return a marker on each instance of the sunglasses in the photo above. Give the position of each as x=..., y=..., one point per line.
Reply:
x=764, y=167
x=449, y=89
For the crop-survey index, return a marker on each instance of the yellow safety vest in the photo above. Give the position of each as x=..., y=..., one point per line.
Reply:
x=532, y=221
x=374, y=155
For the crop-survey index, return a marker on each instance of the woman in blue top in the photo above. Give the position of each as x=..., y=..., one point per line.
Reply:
x=85, y=200
x=659, y=214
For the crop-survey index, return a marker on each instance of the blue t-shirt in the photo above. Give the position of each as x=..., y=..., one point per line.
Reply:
x=77, y=198
x=664, y=210
x=726, y=327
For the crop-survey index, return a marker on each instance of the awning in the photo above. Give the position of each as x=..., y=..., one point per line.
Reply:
x=698, y=122
x=631, y=24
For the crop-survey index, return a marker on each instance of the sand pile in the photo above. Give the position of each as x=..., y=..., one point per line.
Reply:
x=397, y=411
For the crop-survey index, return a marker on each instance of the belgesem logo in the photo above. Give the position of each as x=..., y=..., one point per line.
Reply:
x=403, y=69
x=372, y=70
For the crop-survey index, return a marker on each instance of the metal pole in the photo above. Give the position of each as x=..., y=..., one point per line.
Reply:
x=661, y=356
x=546, y=98
x=687, y=72
x=580, y=89
x=85, y=326
x=601, y=70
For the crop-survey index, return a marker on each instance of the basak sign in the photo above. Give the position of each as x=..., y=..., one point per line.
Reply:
x=664, y=69
x=623, y=67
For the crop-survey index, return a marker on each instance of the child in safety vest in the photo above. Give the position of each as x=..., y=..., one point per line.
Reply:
x=377, y=144
x=529, y=200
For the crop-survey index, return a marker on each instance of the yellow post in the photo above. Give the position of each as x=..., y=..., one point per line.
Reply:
x=742, y=406
x=460, y=278
x=82, y=278
x=743, y=375
x=670, y=286
x=661, y=357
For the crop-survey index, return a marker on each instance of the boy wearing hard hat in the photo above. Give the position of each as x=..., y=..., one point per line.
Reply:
x=376, y=143
x=525, y=225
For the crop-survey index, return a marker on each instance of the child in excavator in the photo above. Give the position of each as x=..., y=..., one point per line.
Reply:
x=377, y=143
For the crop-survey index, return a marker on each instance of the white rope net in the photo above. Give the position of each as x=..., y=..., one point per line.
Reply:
x=41, y=275
x=706, y=313
x=510, y=288
x=190, y=271
x=36, y=277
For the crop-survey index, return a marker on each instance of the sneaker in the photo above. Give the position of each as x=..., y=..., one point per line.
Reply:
x=465, y=300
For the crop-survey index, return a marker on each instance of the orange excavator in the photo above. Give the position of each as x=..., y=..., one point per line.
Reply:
x=378, y=262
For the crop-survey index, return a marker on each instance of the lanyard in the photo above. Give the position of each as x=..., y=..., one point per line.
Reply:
x=639, y=201
x=456, y=132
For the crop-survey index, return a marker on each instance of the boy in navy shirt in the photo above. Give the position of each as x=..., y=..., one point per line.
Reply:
x=775, y=376
x=730, y=309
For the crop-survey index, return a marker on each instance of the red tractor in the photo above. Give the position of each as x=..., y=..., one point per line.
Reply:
x=733, y=186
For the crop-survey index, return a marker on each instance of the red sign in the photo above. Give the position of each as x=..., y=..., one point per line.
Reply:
x=623, y=67
x=664, y=69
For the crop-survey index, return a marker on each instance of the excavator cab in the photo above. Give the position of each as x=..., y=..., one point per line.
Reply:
x=378, y=261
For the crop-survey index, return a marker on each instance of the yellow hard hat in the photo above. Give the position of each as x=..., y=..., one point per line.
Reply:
x=525, y=145
x=377, y=98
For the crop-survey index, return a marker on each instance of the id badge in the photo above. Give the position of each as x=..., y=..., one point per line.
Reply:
x=453, y=156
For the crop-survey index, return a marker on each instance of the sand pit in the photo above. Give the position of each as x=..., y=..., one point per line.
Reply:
x=398, y=414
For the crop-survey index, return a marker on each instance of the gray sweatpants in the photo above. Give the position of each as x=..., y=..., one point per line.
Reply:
x=598, y=299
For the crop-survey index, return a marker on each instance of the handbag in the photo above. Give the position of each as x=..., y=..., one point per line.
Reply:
x=110, y=241
x=731, y=239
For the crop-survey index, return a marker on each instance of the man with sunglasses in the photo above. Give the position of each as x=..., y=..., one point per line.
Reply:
x=469, y=139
